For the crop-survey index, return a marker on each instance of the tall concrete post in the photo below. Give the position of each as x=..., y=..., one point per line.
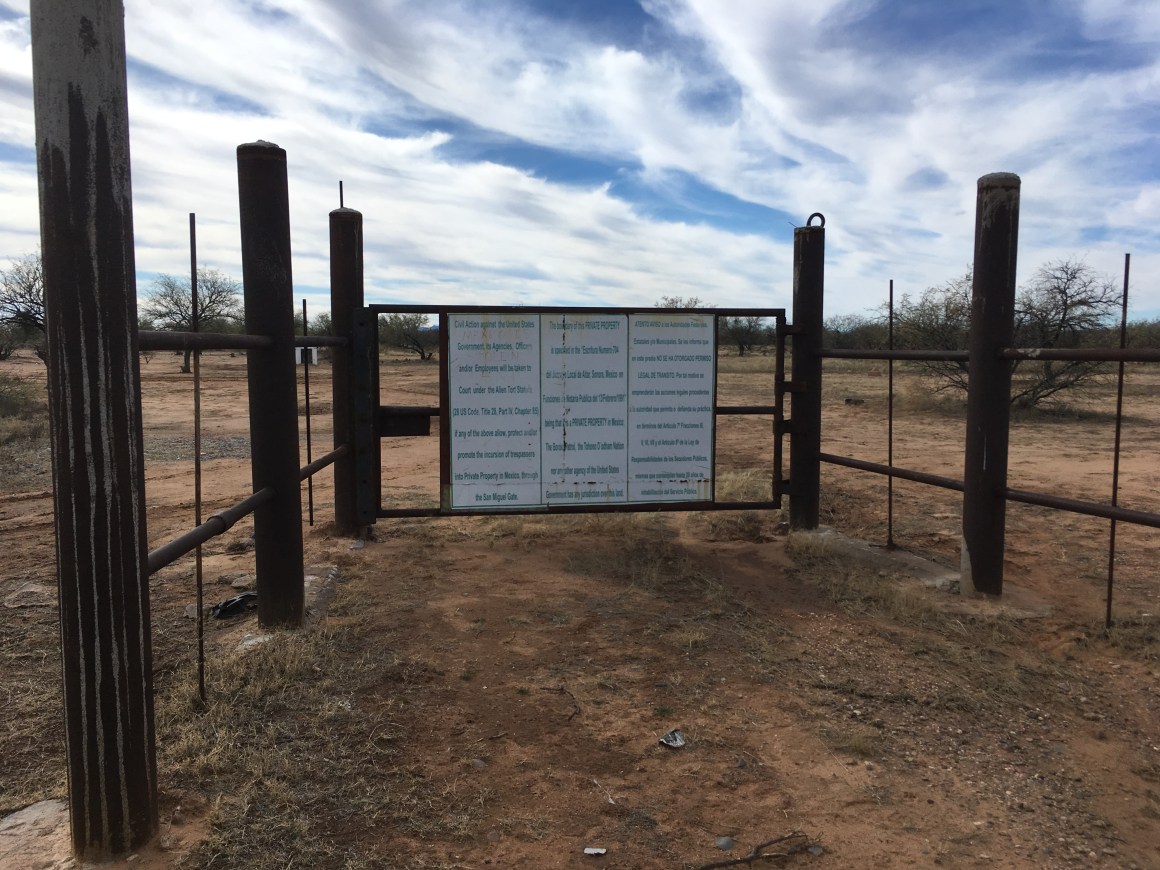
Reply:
x=86, y=225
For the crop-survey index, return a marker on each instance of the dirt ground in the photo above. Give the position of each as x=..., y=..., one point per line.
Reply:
x=492, y=692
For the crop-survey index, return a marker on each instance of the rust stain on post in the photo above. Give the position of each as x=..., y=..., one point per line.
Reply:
x=82, y=144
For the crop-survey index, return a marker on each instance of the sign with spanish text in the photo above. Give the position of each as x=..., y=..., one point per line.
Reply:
x=579, y=409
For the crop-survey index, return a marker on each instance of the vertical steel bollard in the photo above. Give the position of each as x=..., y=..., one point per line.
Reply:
x=346, y=295
x=989, y=388
x=86, y=214
x=273, y=384
x=805, y=440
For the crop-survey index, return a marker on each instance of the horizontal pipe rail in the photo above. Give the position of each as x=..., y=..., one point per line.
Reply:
x=385, y=308
x=902, y=473
x=918, y=355
x=722, y=410
x=1087, y=508
x=217, y=524
x=320, y=341
x=322, y=461
x=166, y=340
x=158, y=340
x=1083, y=354
x=727, y=410
x=1079, y=354
x=708, y=506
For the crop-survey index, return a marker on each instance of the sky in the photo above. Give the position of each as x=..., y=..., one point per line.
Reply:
x=611, y=152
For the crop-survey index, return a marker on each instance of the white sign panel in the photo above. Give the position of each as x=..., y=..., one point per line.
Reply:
x=579, y=408
x=494, y=404
x=671, y=391
x=584, y=398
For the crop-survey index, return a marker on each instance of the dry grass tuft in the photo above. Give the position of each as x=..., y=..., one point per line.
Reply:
x=745, y=525
x=1139, y=636
x=642, y=551
x=297, y=766
x=862, y=590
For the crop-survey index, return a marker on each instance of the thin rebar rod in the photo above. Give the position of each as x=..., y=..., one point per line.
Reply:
x=890, y=421
x=306, y=393
x=195, y=323
x=1116, y=449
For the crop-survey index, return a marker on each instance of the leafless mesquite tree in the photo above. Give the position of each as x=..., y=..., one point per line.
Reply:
x=22, y=303
x=169, y=304
x=1067, y=304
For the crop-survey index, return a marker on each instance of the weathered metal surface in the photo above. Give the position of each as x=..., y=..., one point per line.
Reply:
x=273, y=386
x=346, y=296
x=809, y=251
x=397, y=308
x=780, y=483
x=892, y=471
x=652, y=507
x=1117, y=441
x=364, y=439
x=394, y=421
x=217, y=524
x=306, y=416
x=322, y=462
x=1087, y=508
x=156, y=340
x=82, y=144
x=989, y=388
x=922, y=355
x=890, y=419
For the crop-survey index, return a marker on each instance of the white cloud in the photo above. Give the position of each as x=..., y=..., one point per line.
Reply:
x=805, y=121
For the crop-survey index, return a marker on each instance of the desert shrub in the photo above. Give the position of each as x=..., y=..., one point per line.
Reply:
x=17, y=397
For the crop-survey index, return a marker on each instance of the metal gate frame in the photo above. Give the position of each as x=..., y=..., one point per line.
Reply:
x=374, y=421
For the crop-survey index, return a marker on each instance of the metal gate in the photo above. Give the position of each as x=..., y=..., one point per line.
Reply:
x=375, y=421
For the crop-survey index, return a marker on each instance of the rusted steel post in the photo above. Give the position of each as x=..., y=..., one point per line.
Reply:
x=273, y=383
x=989, y=389
x=346, y=295
x=86, y=214
x=805, y=440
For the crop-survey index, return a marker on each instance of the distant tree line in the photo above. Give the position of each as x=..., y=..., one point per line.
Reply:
x=1066, y=304
x=167, y=304
x=743, y=334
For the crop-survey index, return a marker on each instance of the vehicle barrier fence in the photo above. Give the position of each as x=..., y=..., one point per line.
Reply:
x=103, y=566
x=990, y=359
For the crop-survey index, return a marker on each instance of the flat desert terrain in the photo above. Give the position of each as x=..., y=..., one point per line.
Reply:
x=491, y=692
